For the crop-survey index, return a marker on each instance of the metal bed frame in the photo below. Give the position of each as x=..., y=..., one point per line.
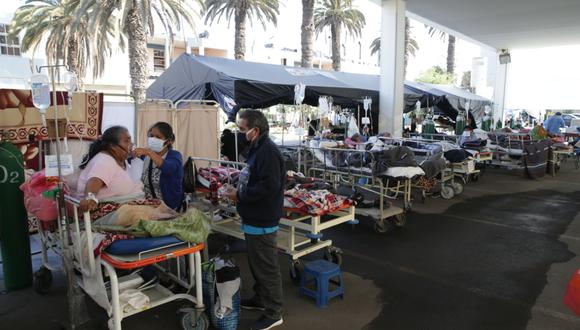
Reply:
x=299, y=234
x=192, y=318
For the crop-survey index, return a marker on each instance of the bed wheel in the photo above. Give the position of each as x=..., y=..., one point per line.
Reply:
x=457, y=188
x=382, y=227
x=296, y=270
x=333, y=255
x=447, y=192
x=195, y=320
x=42, y=280
x=399, y=220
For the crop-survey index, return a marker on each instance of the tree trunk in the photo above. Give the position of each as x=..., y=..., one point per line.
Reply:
x=138, y=68
x=407, y=40
x=240, y=38
x=72, y=58
x=451, y=54
x=335, y=32
x=307, y=32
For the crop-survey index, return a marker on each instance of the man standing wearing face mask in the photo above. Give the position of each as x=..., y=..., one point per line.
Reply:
x=260, y=199
x=163, y=168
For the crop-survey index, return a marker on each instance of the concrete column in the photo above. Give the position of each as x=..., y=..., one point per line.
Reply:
x=392, y=57
x=500, y=90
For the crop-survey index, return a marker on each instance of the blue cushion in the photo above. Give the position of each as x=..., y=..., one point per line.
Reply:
x=136, y=245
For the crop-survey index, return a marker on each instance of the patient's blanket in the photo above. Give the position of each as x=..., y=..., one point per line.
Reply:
x=314, y=202
x=127, y=214
x=220, y=175
x=193, y=226
x=106, y=208
x=434, y=165
x=395, y=157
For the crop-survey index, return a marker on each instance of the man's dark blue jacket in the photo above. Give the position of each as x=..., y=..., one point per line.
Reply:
x=261, y=186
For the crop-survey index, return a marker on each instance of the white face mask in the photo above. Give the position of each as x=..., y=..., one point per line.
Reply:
x=155, y=144
x=248, y=134
x=466, y=134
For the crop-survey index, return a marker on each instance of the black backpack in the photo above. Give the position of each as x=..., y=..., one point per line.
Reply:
x=189, y=176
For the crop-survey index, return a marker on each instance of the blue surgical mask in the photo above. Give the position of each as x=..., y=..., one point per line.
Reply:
x=155, y=144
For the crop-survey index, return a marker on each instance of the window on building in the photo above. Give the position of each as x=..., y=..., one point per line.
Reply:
x=158, y=60
x=8, y=46
x=359, y=50
x=284, y=61
x=343, y=50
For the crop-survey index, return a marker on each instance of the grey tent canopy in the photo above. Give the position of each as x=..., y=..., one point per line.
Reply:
x=241, y=84
x=449, y=100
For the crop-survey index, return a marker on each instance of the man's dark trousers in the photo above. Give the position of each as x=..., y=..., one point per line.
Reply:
x=263, y=258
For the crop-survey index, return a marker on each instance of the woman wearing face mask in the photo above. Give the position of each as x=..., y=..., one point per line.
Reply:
x=104, y=169
x=163, y=169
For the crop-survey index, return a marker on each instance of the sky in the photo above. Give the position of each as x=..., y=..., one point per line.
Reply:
x=550, y=75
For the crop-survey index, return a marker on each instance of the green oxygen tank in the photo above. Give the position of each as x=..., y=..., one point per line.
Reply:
x=14, y=237
x=459, y=124
x=428, y=128
x=498, y=124
x=487, y=121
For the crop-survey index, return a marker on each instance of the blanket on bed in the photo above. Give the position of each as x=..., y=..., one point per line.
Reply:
x=434, y=165
x=315, y=202
x=220, y=175
x=394, y=157
x=193, y=226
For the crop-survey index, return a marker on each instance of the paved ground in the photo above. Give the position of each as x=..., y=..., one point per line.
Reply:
x=497, y=257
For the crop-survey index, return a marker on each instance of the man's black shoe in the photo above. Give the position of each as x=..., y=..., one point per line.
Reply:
x=265, y=323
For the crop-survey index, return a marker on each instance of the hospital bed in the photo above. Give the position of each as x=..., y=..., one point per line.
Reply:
x=425, y=149
x=105, y=278
x=300, y=233
x=469, y=169
x=396, y=182
x=508, y=149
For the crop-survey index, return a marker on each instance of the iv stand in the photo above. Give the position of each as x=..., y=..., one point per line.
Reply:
x=76, y=305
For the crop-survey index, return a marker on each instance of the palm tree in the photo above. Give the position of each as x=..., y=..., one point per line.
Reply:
x=307, y=37
x=411, y=44
x=264, y=11
x=445, y=37
x=337, y=14
x=68, y=37
x=136, y=21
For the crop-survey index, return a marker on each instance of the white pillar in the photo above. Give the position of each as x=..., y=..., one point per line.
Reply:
x=500, y=90
x=392, y=67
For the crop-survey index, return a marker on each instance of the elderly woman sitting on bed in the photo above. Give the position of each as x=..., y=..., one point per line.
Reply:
x=104, y=170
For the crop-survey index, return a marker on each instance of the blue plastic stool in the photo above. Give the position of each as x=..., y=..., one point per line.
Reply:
x=321, y=272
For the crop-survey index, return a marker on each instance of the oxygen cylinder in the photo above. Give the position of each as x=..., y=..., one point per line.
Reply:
x=428, y=128
x=459, y=124
x=14, y=238
x=487, y=121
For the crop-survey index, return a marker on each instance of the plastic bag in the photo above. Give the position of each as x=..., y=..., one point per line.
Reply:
x=210, y=296
x=572, y=297
x=35, y=203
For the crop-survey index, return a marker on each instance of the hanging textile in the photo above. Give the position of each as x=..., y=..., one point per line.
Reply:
x=19, y=118
x=195, y=126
